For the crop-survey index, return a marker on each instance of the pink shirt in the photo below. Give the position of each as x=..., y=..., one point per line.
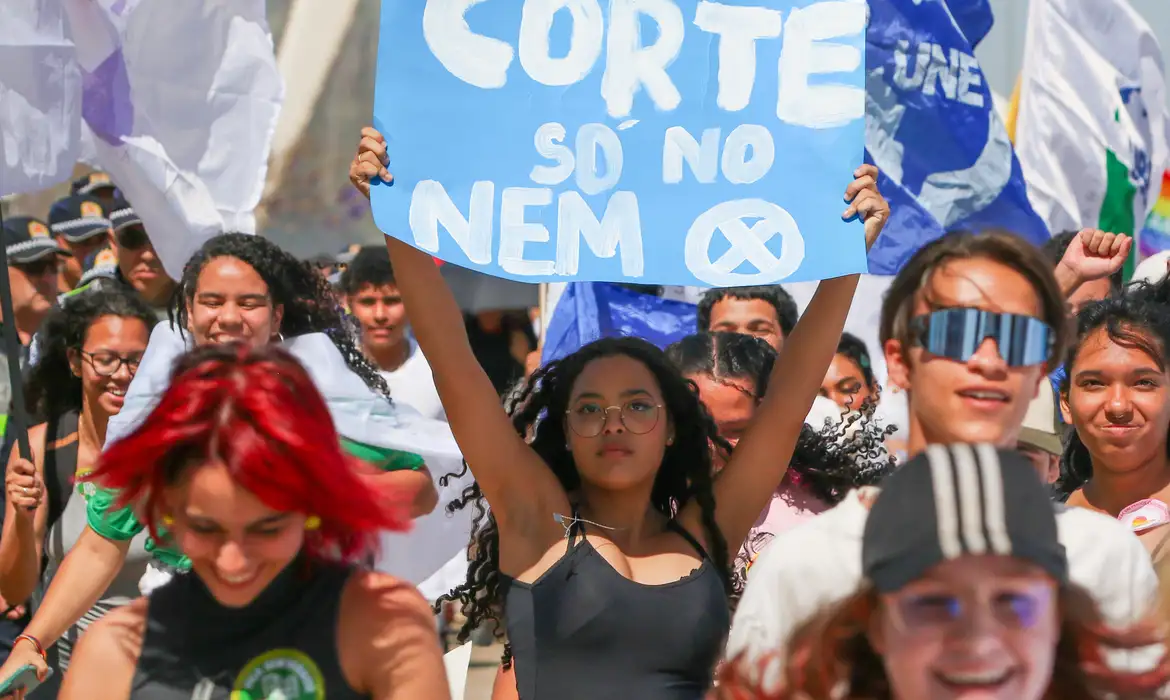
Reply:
x=791, y=505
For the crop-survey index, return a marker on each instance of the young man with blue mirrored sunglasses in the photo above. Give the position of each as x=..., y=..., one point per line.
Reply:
x=969, y=328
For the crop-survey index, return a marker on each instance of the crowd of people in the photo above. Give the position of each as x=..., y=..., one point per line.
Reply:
x=213, y=461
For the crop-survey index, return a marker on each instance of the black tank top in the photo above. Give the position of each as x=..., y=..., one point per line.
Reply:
x=582, y=631
x=282, y=645
x=60, y=463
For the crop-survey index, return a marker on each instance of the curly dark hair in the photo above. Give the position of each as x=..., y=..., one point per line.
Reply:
x=686, y=472
x=786, y=311
x=828, y=462
x=307, y=298
x=1138, y=319
x=831, y=460
x=51, y=388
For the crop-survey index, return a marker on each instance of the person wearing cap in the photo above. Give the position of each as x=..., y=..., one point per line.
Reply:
x=96, y=184
x=969, y=327
x=138, y=264
x=966, y=591
x=81, y=226
x=1040, y=436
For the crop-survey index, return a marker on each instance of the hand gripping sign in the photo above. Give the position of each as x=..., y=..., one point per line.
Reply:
x=677, y=142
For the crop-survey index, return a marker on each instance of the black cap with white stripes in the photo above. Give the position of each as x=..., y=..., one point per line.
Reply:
x=957, y=500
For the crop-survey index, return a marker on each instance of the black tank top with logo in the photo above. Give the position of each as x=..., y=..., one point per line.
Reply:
x=282, y=646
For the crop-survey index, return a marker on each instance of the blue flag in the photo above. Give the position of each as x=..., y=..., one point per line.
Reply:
x=677, y=142
x=588, y=311
x=932, y=129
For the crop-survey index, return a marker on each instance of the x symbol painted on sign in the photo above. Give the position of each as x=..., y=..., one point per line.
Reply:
x=748, y=243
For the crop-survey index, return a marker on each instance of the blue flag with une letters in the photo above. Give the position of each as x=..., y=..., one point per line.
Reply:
x=677, y=142
x=933, y=131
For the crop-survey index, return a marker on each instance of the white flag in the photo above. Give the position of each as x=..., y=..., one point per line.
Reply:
x=1093, y=127
x=182, y=97
x=40, y=97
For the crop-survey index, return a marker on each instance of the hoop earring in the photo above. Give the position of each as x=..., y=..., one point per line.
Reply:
x=312, y=523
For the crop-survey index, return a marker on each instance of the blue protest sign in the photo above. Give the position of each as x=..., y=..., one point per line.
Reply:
x=676, y=142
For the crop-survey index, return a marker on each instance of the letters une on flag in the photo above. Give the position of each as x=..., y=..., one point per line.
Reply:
x=933, y=130
x=1092, y=126
x=180, y=97
x=678, y=142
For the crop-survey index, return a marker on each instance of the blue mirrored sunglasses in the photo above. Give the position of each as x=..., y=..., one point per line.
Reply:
x=958, y=333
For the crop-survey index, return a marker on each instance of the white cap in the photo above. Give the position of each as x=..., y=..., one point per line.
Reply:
x=1041, y=429
x=1153, y=269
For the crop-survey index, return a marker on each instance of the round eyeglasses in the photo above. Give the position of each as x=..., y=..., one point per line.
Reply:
x=638, y=416
x=107, y=364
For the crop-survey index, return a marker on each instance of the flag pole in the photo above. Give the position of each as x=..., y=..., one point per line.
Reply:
x=18, y=419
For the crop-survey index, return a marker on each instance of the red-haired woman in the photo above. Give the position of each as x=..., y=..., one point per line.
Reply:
x=242, y=465
x=968, y=595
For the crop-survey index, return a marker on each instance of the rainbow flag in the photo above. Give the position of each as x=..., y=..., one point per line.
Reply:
x=1155, y=237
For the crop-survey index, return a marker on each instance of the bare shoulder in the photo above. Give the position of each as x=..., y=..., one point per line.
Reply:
x=380, y=600
x=388, y=644
x=103, y=663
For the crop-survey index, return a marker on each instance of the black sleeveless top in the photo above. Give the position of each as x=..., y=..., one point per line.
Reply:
x=282, y=645
x=60, y=463
x=582, y=631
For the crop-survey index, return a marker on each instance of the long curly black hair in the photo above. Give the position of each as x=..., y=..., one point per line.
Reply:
x=307, y=298
x=686, y=472
x=51, y=388
x=1138, y=318
x=831, y=460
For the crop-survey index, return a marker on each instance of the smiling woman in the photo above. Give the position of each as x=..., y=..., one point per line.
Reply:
x=90, y=350
x=989, y=614
x=1116, y=394
x=276, y=598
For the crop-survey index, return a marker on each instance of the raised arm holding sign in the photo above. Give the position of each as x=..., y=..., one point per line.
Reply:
x=677, y=142
x=609, y=451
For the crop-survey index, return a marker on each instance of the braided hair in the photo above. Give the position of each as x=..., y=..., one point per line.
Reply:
x=685, y=474
x=829, y=461
x=1138, y=319
x=51, y=388
x=307, y=298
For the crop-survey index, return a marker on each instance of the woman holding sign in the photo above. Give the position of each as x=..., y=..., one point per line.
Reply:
x=609, y=542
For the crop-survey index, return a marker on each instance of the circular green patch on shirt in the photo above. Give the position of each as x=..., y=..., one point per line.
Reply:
x=280, y=674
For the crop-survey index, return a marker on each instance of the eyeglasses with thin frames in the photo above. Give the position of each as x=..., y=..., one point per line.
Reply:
x=638, y=416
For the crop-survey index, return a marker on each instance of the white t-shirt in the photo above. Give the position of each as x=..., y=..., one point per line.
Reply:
x=414, y=385
x=818, y=563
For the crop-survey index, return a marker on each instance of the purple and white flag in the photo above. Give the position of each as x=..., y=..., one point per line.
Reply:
x=40, y=97
x=182, y=98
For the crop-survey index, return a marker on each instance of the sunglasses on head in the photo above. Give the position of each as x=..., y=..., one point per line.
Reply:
x=957, y=334
x=132, y=237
